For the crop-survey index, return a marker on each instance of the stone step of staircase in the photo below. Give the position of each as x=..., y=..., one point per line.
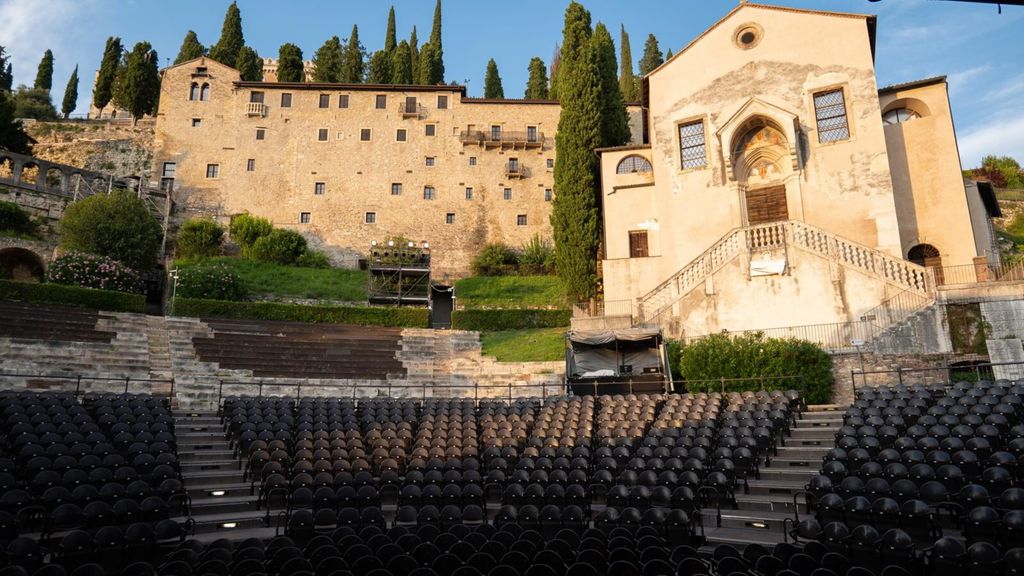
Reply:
x=836, y=408
x=739, y=538
x=818, y=423
x=211, y=477
x=753, y=520
x=199, y=488
x=187, y=456
x=223, y=505
x=793, y=451
x=769, y=503
x=787, y=474
x=190, y=466
x=812, y=433
x=775, y=487
x=225, y=522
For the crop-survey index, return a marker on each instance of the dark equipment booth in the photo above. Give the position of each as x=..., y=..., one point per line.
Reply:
x=628, y=361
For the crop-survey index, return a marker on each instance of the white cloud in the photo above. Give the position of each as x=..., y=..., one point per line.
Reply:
x=962, y=78
x=29, y=27
x=1002, y=137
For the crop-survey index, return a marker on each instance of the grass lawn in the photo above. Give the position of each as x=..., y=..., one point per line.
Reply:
x=510, y=292
x=537, y=345
x=269, y=278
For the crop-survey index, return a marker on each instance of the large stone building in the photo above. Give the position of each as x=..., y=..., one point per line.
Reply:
x=346, y=164
x=778, y=186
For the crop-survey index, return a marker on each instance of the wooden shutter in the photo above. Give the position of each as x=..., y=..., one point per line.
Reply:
x=767, y=205
x=638, y=244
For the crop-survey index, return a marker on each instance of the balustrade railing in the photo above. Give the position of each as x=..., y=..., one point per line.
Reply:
x=255, y=109
x=602, y=308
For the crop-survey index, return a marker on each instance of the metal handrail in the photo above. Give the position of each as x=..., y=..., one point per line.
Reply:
x=78, y=379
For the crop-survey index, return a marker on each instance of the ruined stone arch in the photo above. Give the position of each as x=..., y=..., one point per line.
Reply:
x=21, y=264
x=29, y=173
x=6, y=167
x=54, y=178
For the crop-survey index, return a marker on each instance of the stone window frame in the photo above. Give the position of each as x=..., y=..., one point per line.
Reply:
x=429, y=193
x=548, y=194
x=848, y=108
x=323, y=135
x=369, y=218
x=319, y=188
x=550, y=163
x=396, y=188
x=430, y=161
x=257, y=97
x=469, y=192
x=365, y=134
x=401, y=135
x=521, y=220
x=324, y=102
x=286, y=100
x=343, y=101
x=442, y=101
x=204, y=92
x=532, y=133
x=261, y=133
x=250, y=165
x=449, y=218
x=212, y=171
x=472, y=160
x=430, y=130
x=381, y=102
x=197, y=122
x=305, y=217
x=687, y=122
x=506, y=193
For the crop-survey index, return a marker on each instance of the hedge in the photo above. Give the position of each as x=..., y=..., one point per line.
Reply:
x=495, y=320
x=72, y=296
x=398, y=317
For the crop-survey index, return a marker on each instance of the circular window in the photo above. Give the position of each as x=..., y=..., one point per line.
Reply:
x=747, y=36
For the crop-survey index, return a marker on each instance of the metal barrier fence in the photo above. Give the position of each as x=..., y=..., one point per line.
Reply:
x=948, y=374
x=978, y=273
x=600, y=308
x=74, y=383
x=747, y=384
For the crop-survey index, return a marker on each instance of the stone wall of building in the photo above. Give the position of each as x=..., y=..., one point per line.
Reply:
x=890, y=370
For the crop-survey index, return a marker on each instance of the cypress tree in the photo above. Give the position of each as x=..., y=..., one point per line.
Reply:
x=250, y=65
x=652, y=56
x=614, y=121
x=103, y=90
x=556, y=64
x=353, y=67
x=492, y=81
x=390, y=41
x=414, y=56
x=401, y=65
x=537, y=85
x=44, y=75
x=668, y=54
x=431, y=68
x=574, y=215
x=379, y=68
x=190, y=49
x=289, y=64
x=138, y=85
x=12, y=134
x=327, y=61
x=70, y=95
x=6, y=77
x=231, y=40
x=627, y=80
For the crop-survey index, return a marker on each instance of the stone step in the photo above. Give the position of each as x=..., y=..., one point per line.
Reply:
x=818, y=423
x=211, y=477
x=794, y=451
x=775, y=487
x=237, y=534
x=187, y=435
x=768, y=503
x=185, y=414
x=223, y=504
x=185, y=456
x=224, y=523
x=208, y=465
x=754, y=520
x=824, y=415
x=815, y=433
x=210, y=430
x=198, y=488
x=739, y=538
x=813, y=442
x=794, y=464
x=788, y=475
x=826, y=408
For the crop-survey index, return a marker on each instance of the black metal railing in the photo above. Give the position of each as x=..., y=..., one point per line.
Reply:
x=948, y=374
x=74, y=383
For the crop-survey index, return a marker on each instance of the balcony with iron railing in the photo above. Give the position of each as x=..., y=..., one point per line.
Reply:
x=412, y=110
x=515, y=170
x=503, y=139
x=256, y=109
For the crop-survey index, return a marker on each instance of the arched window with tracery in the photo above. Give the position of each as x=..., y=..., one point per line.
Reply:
x=633, y=164
x=193, y=92
x=204, y=92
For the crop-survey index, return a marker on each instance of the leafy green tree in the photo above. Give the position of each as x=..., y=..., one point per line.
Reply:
x=226, y=49
x=199, y=237
x=138, y=84
x=1002, y=171
x=246, y=229
x=537, y=85
x=390, y=41
x=414, y=55
x=380, y=68
x=629, y=85
x=492, y=81
x=614, y=121
x=12, y=135
x=574, y=216
x=70, y=95
x=556, y=64
x=250, y=65
x=190, y=49
x=401, y=64
x=6, y=77
x=280, y=246
x=44, y=75
x=116, y=225
x=652, y=56
x=33, y=103
x=289, y=64
x=353, y=66
x=327, y=61
x=103, y=90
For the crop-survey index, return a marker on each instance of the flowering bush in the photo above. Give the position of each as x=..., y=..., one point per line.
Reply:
x=210, y=282
x=91, y=271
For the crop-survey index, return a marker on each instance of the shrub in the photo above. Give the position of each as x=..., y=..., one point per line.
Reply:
x=247, y=229
x=313, y=259
x=199, y=237
x=537, y=257
x=72, y=296
x=281, y=246
x=799, y=364
x=91, y=271
x=496, y=260
x=495, y=320
x=116, y=225
x=366, y=316
x=214, y=282
x=15, y=219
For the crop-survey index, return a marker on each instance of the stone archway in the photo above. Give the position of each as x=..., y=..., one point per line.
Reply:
x=21, y=265
x=761, y=162
x=928, y=256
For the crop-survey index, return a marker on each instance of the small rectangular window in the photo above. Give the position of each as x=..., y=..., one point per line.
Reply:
x=521, y=220
x=400, y=135
x=507, y=193
x=303, y=217
x=495, y=132
x=325, y=100
x=469, y=193
x=430, y=129
x=830, y=113
x=250, y=165
x=342, y=100
x=256, y=97
x=547, y=194
x=449, y=218
x=319, y=188
x=430, y=160
x=364, y=134
x=197, y=122
x=472, y=160
x=638, y=244
x=261, y=133
x=286, y=100
x=691, y=145
x=442, y=102
x=550, y=163
x=321, y=135
x=382, y=101
x=428, y=192
x=370, y=218
x=396, y=188
x=531, y=133
x=170, y=168
x=213, y=170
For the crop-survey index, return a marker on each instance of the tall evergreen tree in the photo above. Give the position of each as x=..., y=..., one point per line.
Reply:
x=492, y=81
x=537, y=85
x=353, y=66
x=614, y=121
x=103, y=90
x=289, y=64
x=190, y=49
x=668, y=54
x=401, y=65
x=414, y=56
x=574, y=215
x=431, y=68
x=138, y=85
x=249, y=65
x=379, y=69
x=390, y=40
x=70, y=95
x=628, y=83
x=12, y=133
x=231, y=40
x=327, y=61
x=44, y=75
x=556, y=64
x=6, y=77
x=652, y=56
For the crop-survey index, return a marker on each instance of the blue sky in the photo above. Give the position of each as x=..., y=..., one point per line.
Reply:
x=979, y=49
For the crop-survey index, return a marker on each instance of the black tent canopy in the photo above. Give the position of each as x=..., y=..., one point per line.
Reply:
x=616, y=361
